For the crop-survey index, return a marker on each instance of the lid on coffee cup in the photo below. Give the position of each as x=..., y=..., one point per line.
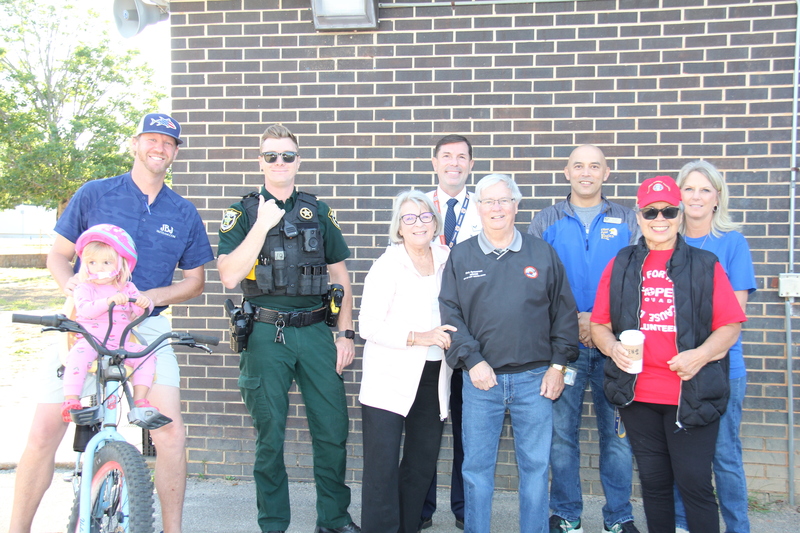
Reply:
x=631, y=337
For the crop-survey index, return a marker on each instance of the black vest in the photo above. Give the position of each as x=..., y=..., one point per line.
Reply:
x=292, y=259
x=704, y=398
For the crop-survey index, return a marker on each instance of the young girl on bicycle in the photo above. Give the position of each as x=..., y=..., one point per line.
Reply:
x=108, y=256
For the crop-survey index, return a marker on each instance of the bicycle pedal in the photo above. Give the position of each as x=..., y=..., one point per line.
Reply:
x=68, y=477
x=88, y=416
x=147, y=418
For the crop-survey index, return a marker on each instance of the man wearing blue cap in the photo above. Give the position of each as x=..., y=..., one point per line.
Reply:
x=167, y=231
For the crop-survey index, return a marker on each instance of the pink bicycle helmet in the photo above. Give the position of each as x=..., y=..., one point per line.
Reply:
x=113, y=236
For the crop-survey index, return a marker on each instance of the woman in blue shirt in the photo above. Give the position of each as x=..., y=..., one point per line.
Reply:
x=707, y=225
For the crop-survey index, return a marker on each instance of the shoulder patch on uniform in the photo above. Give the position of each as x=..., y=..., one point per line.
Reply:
x=229, y=219
x=332, y=216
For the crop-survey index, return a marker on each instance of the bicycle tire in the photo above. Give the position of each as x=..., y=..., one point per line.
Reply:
x=122, y=493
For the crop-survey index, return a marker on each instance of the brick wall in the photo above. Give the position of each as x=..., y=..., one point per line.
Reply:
x=655, y=83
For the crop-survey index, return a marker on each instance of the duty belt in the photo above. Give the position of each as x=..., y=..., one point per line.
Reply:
x=288, y=319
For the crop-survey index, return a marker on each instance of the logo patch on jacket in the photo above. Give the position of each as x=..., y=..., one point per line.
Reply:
x=229, y=219
x=607, y=234
x=531, y=272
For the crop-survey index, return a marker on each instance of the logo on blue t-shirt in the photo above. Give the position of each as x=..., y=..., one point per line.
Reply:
x=166, y=230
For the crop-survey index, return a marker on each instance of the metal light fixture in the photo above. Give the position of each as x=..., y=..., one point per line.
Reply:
x=345, y=14
x=132, y=16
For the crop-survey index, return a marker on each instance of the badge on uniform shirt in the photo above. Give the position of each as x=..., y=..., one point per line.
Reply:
x=612, y=220
x=306, y=214
x=332, y=216
x=229, y=219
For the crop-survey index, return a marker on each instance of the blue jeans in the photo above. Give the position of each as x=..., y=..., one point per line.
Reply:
x=729, y=477
x=483, y=415
x=616, y=458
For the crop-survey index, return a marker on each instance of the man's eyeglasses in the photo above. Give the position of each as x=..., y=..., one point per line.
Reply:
x=271, y=157
x=651, y=213
x=504, y=202
x=411, y=219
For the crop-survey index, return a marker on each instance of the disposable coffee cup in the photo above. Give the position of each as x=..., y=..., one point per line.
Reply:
x=633, y=341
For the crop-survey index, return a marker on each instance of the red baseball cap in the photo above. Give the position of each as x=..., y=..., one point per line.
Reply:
x=658, y=189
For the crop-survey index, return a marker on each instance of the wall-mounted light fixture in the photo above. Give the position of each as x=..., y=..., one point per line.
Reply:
x=332, y=15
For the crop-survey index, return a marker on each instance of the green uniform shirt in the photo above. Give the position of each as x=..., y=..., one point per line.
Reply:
x=234, y=228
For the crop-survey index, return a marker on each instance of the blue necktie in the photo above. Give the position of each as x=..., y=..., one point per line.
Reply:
x=450, y=220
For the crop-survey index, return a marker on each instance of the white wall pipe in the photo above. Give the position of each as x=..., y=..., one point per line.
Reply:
x=790, y=300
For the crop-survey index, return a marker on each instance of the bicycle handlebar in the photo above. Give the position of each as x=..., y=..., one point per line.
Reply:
x=51, y=321
x=64, y=324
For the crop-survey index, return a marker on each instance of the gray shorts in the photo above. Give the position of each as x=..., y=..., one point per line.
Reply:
x=167, y=370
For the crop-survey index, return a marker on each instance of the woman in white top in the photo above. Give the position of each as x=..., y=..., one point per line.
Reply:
x=405, y=380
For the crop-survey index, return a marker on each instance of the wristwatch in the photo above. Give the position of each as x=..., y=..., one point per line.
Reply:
x=347, y=334
x=560, y=368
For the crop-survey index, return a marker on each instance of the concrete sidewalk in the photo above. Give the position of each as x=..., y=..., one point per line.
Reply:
x=219, y=506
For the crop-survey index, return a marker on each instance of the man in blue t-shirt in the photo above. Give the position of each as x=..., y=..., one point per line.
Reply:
x=587, y=231
x=167, y=232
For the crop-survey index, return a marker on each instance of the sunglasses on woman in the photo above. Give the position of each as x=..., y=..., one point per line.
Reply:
x=651, y=213
x=271, y=157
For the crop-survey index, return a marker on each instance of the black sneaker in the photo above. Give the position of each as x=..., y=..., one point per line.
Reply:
x=621, y=527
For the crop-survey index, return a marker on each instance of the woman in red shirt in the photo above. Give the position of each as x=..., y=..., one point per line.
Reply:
x=681, y=299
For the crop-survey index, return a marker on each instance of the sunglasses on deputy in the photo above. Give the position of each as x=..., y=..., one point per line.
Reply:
x=651, y=213
x=271, y=157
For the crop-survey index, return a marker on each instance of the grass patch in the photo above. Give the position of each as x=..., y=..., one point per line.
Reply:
x=28, y=304
x=757, y=506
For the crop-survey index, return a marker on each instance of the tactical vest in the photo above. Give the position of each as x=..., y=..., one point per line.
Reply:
x=292, y=259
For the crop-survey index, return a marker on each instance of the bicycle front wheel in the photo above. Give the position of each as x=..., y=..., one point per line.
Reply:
x=122, y=493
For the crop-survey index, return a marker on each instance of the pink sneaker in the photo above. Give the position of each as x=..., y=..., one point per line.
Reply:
x=67, y=406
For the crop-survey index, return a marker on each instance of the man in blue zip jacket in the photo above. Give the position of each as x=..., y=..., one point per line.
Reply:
x=587, y=231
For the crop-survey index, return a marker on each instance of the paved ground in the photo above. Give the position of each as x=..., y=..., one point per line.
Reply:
x=217, y=506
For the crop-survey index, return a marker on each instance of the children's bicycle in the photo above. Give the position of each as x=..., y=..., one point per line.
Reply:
x=117, y=495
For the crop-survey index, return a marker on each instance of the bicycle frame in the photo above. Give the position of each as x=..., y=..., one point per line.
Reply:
x=108, y=432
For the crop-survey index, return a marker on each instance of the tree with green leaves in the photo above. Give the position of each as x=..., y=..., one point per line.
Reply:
x=68, y=103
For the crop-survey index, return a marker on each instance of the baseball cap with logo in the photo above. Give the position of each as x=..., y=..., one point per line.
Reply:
x=160, y=123
x=658, y=189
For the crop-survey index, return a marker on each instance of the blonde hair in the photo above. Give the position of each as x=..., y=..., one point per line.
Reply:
x=720, y=219
x=278, y=131
x=101, y=251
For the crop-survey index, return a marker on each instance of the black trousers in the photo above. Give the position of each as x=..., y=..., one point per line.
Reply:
x=666, y=455
x=392, y=494
x=456, y=479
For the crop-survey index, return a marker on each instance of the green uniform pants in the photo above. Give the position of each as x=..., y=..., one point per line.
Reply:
x=267, y=369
